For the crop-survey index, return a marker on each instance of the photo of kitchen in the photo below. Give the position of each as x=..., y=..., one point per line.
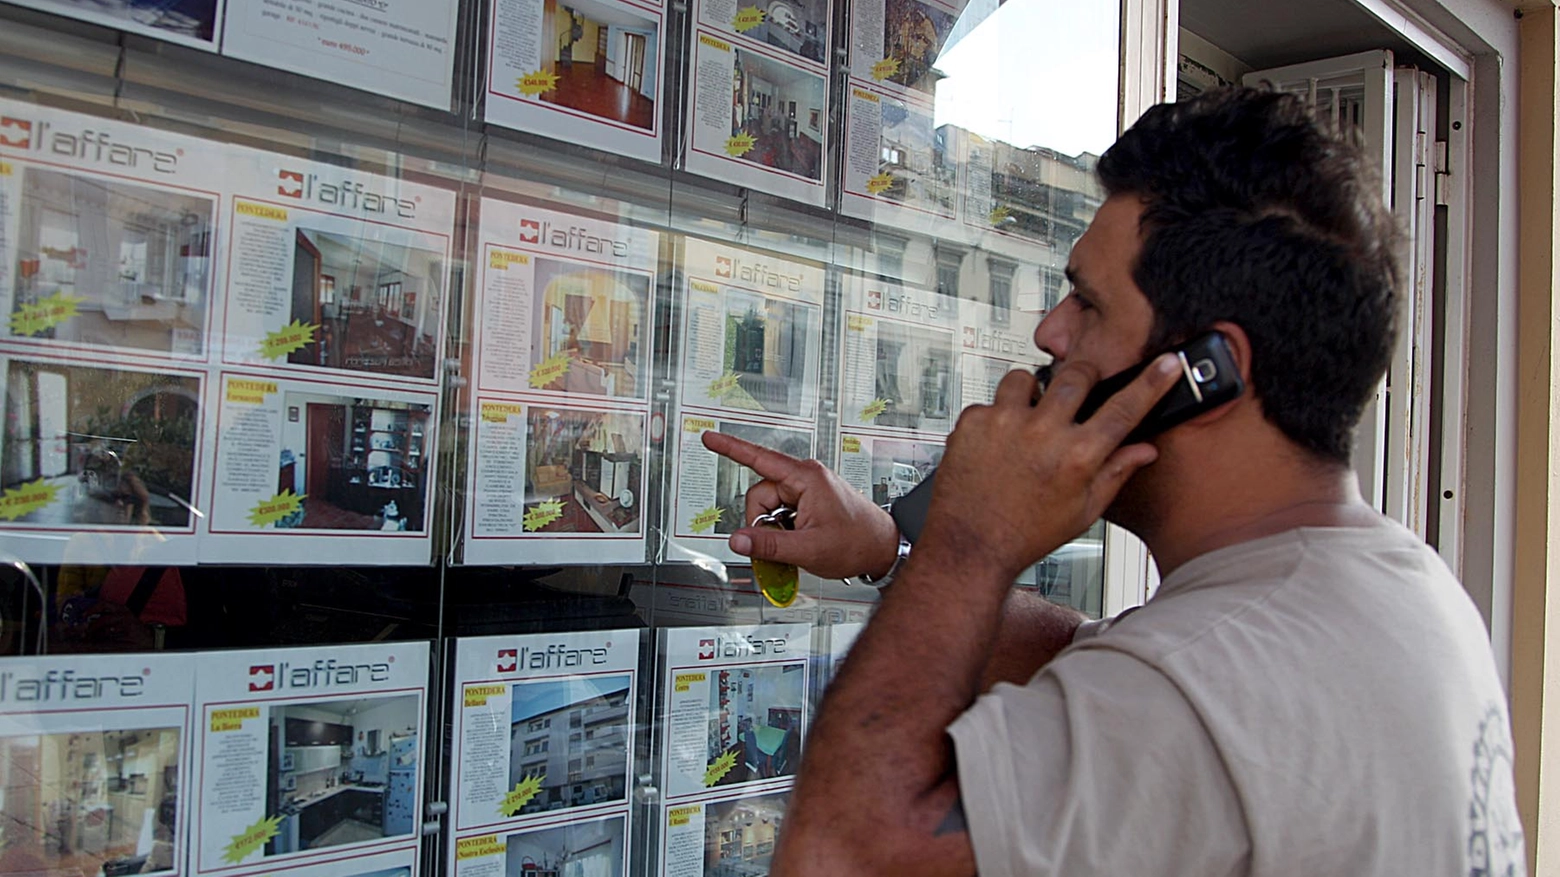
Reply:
x=739, y=836
x=596, y=317
x=766, y=348
x=359, y=463
x=377, y=304
x=116, y=447
x=913, y=375
x=732, y=479
x=606, y=56
x=135, y=258
x=342, y=772
x=799, y=26
x=573, y=733
x=579, y=849
x=756, y=715
x=913, y=35
x=914, y=154
x=779, y=106
x=589, y=462
x=89, y=804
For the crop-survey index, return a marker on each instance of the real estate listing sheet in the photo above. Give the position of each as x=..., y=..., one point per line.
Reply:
x=93, y=754
x=333, y=269
x=107, y=235
x=321, y=461
x=193, y=23
x=896, y=43
x=758, y=117
x=752, y=332
x=732, y=834
x=308, y=756
x=900, y=168
x=99, y=462
x=403, y=49
x=588, y=72
x=897, y=348
x=545, y=745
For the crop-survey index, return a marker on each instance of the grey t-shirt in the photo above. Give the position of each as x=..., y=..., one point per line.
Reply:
x=1319, y=702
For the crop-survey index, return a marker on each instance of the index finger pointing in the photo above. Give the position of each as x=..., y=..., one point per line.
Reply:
x=772, y=465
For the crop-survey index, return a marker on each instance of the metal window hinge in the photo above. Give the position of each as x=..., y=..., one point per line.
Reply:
x=1443, y=173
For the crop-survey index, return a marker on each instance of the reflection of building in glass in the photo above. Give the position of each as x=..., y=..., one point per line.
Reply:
x=1043, y=194
x=915, y=156
x=580, y=749
x=739, y=836
x=913, y=375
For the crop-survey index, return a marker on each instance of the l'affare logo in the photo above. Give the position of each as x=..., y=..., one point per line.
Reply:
x=290, y=184
x=739, y=646
x=16, y=133
x=508, y=660
x=343, y=194
x=530, y=231
x=262, y=677
x=722, y=266
x=706, y=649
x=875, y=299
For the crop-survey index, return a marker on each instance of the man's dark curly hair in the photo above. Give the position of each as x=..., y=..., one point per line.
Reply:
x=1257, y=215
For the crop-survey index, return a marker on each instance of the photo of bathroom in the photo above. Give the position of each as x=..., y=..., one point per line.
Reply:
x=137, y=259
x=579, y=849
x=732, y=479
x=597, y=318
x=359, y=463
x=913, y=375
x=780, y=107
x=90, y=804
x=756, y=715
x=342, y=772
x=591, y=463
x=739, y=835
x=606, y=57
x=766, y=348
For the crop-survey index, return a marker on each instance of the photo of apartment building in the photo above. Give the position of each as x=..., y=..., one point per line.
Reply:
x=574, y=735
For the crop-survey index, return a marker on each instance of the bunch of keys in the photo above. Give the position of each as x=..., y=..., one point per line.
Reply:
x=778, y=582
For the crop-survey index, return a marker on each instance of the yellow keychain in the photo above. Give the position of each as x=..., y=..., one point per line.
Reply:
x=778, y=582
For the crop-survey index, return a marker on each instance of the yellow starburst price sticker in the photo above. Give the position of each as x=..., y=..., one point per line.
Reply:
x=723, y=386
x=543, y=514
x=25, y=499
x=873, y=409
x=718, y=768
x=550, y=369
x=740, y=145
x=706, y=519
x=747, y=18
x=30, y=319
x=999, y=216
x=250, y=840
x=880, y=183
x=293, y=336
x=277, y=507
x=533, y=84
x=521, y=795
x=885, y=68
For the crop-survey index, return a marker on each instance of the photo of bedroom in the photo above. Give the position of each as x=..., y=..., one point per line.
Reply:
x=115, y=447
x=377, y=304
x=914, y=154
x=89, y=804
x=756, y=715
x=597, y=318
x=577, y=849
x=779, y=106
x=588, y=462
x=732, y=479
x=195, y=19
x=137, y=259
x=766, y=348
x=739, y=836
x=359, y=464
x=798, y=26
x=913, y=375
x=605, y=56
x=573, y=733
x=913, y=35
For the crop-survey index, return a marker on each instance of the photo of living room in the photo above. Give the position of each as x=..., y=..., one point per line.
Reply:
x=590, y=463
x=377, y=304
x=766, y=348
x=914, y=155
x=732, y=479
x=739, y=836
x=780, y=107
x=597, y=318
x=195, y=19
x=360, y=464
x=913, y=375
x=90, y=804
x=798, y=26
x=579, y=849
x=573, y=733
x=606, y=55
x=117, y=447
x=756, y=716
x=913, y=35
x=137, y=259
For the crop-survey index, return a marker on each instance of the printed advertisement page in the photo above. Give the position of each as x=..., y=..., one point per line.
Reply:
x=565, y=310
x=107, y=236
x=758, y=117
x=544, y=753
x=900, y=166
x=994, y=341
x=885, y=468
x=398, y=48
x=897, y=369
x=752, y=332
x=99, y=462
x=308, y=756
x=589, y=72
x=338, y=463
x=94, y=753
x=710, y=492
x=330, y=268
x=193, y=23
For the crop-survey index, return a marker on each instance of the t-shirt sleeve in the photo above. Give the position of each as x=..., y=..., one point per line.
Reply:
x=1096, y=766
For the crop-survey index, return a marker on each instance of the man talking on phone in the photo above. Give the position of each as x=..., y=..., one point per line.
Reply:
x=1309, y=692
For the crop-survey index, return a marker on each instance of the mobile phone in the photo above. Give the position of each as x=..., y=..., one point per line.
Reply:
x=1209, y=379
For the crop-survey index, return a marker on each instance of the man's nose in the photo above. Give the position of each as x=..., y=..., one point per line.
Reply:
x=1051, y=335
